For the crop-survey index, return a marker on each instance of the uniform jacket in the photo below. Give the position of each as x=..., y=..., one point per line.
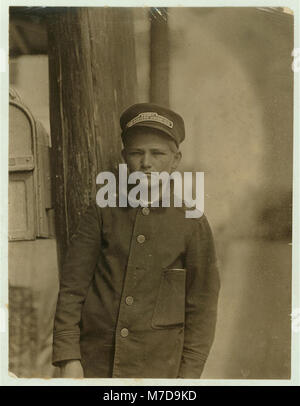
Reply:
x=138, y=294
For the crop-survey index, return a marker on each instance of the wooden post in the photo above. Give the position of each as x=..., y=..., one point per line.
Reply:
x=159, y=56
x=92, y=80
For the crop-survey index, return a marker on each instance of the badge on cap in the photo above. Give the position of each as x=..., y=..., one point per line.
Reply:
x=150, y=116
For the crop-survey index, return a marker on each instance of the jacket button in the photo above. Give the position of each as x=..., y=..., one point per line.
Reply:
x=145, y=211
x=141, y=238
x=124, y=332
x=129, y=300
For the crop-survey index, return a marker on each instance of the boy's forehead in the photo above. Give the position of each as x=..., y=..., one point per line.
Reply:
x=147, y=137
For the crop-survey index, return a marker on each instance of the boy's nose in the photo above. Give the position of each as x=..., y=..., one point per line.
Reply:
x=146, y=162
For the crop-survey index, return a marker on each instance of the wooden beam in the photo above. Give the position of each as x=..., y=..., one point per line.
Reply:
x=92, y=80
x=159, y=56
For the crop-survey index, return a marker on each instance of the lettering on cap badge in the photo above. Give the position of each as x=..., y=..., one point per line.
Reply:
x=150, y=116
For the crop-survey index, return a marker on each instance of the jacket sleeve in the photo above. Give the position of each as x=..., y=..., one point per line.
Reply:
x=76, y=276
x=202, y=290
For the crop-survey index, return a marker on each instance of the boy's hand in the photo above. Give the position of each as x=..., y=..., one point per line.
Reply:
x=72, y=369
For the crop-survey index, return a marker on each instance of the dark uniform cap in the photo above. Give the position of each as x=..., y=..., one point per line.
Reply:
x=153, y=116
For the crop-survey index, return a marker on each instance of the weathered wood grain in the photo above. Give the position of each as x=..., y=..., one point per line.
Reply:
x=92, y=79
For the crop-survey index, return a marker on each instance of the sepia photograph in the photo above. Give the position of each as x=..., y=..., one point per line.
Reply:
x=150, y=192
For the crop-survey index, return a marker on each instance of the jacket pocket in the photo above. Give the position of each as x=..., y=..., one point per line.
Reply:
x=169, y=310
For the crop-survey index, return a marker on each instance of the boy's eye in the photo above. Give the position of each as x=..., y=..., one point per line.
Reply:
x=135, y=153
x=158, y=153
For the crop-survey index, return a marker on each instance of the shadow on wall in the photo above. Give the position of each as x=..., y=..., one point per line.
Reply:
x=232, y=81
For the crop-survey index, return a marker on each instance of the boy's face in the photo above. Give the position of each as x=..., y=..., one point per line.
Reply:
x=148, y=150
